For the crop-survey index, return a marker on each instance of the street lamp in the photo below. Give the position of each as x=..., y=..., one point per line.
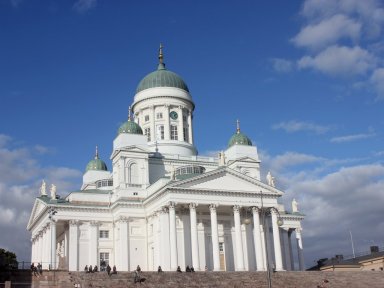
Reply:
x=264, y=212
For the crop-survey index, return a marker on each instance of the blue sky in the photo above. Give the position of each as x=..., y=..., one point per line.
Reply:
x=305, y=79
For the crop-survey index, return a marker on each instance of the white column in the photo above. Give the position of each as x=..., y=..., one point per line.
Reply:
x=257, y=239
x=122, y=173
x=156, y=241
x=300, y=249
x=190, y=130
x=287, y=256
x=73, y=255
x=153, y=128
x=194, y=237
x=167, y=133
x=124, y=243
x=290, y=250
x=164, y=240
x=93, y=243
x=215, y=238
x=276, y=242
x=172, y=236
x=45, y=255
x=180, y=130
x=239, y=241
x=53, y=245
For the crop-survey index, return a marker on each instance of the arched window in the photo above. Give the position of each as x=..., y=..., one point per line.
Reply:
x=133, y=174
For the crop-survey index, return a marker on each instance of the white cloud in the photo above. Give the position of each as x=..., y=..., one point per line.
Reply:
x=340, y=61
x=297, y=126
x=335, y=201
x=20, y=178
x=353, y=137
x=327, y=32
x=282, y=65
x=82, y=6
x=377, y=80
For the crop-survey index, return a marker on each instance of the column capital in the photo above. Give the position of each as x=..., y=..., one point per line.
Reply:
x=255, y=210
x=192, y=206
x=95, y=223
x=212, y=207
x=123, y=219
x=236, y=208
x=171, y=205
x=163, y=210
x=74, y=222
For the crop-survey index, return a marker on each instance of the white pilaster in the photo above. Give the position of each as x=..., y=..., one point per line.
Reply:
x=257, y=240
x=53, y=245
x=172, y=236
x=300, y=249
x=164, y=240
x=215, y=238
x=276, y=242
x=93, y=242
x=167, y=134
x=153, y=127
x=190, y=130
x=194, y=237
x=124, y=243
x=180, y=130
x=239, y=241
x=73, y=255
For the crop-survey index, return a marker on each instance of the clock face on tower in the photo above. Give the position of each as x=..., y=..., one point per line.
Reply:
x=173, y=115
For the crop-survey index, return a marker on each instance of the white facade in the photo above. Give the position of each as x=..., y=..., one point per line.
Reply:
x=163, y=205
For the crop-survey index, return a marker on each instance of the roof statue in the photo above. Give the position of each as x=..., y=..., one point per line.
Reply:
x=270, y=179
x=53, y=191
x=295, y=208
x=43, y=189
x=221, y=158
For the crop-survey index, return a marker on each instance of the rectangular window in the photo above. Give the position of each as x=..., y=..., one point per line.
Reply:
x=159, y=115
x=146, y=118
x=104, y=234
x=174, y=132
x=160, y=132
x=221, y=247
x=104, y=260
x=147, y=131
x=185, y=133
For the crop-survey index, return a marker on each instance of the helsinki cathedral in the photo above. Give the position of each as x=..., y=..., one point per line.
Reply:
x=162, y=204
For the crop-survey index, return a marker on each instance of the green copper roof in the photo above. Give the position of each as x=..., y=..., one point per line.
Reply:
x=130, y=127
x=96, y=164
x=239, y=138
x=162, y=78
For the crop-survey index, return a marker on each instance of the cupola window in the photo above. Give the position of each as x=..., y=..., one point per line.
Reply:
x=160, y=132
x=174, y=132
x=147, y=132
x=159, y=115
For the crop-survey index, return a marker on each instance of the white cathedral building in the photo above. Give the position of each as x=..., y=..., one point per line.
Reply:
x=162, y=204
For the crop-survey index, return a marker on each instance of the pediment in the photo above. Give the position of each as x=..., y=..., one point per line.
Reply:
x=245, y=159
x=37, y=210
x=225, y=179
x=130, y=149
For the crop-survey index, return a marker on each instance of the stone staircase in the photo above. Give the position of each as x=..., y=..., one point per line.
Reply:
x=56, y=279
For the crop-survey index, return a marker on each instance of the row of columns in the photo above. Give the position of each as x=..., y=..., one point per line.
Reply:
x=168, y=233
x=44, y=246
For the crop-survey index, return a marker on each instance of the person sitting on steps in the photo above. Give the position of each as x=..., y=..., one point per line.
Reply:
x=178, y=269
x=187, y=269
x=159, y=270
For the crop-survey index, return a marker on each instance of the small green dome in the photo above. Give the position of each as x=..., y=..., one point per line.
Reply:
x=96, y=164
x=162, y=78
x=130, y=127
x=239, y=138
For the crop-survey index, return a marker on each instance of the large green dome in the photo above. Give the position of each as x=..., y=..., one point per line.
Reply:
x=96, y=164
x=130, y=127
x=239, y=138
x=162, y=78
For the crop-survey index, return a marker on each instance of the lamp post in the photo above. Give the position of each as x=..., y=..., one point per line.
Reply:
x=264, y=211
